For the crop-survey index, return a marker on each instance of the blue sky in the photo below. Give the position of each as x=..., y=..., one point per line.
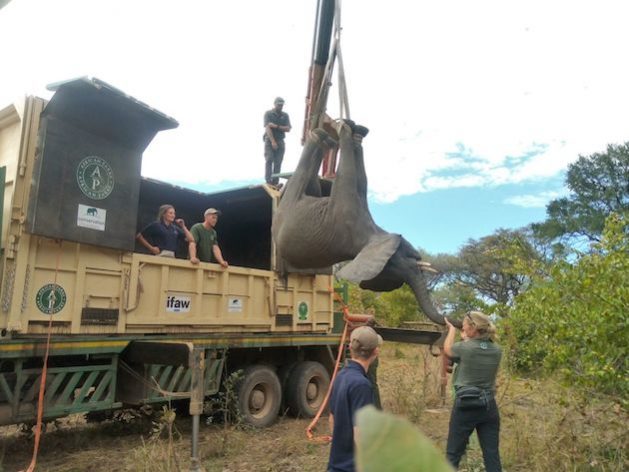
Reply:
x=475, y=108
x=441, y=221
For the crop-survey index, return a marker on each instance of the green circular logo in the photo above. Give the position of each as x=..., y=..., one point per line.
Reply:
x=51, y=298
x=95, y=177
x=302, y=309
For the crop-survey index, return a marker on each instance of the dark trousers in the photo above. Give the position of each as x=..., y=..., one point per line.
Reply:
x=273, y=161
x=486, y=421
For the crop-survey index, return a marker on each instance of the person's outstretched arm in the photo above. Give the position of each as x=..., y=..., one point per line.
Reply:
x=218, y=255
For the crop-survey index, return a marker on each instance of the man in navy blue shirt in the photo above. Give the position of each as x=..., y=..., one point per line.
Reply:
x=352, y=390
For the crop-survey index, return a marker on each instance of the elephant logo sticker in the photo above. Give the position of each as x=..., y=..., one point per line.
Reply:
x=302, y=311
x=95, y=177
x=91, y=217
x=51, y=299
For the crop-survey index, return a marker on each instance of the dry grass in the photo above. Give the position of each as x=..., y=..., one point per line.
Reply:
x=544, y=428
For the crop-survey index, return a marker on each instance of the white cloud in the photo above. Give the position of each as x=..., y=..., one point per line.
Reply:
x=498, y=78
x=538, y=200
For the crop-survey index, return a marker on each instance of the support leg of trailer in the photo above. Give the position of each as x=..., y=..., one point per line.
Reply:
x=197, y=367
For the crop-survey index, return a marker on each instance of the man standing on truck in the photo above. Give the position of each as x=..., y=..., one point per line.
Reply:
x=204, y=246
x=276, y=125
x=351, y=391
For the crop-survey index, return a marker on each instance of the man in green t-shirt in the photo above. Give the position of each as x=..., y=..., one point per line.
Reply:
x=205, y=245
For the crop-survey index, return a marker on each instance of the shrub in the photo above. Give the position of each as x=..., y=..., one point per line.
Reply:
x=574, y=320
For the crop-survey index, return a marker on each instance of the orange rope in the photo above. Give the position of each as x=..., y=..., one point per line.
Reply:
x=315, y=420
x=42, y=384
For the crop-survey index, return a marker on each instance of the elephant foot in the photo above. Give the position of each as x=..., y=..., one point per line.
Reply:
x=322, y=138
x=358, y=130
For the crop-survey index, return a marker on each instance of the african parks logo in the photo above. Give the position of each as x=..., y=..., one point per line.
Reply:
x=51, y=299
x=95, y=177
x=302, y=310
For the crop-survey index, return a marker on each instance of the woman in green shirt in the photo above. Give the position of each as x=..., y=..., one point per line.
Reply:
x=474, y=407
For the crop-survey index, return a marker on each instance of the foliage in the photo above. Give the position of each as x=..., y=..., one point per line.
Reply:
x=445, y=264
x=387, y=442
x=485, y=265
x=458, y=298
x=224, y=405
x=390, y=308
x=575, y=319
x=599, y=185
x=401, y=306
x=364, y=301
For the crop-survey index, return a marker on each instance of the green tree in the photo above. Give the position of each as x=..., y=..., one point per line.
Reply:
x=364, y=301
x=459, y=298
x=599, y=185
x=399, y=306
x=445, y=266
x=486, y=267
x=575, y=319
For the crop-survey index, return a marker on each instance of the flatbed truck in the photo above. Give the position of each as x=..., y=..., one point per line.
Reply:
x=120, y=326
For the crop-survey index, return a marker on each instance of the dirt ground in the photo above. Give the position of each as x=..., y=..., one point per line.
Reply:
x=74, y=445
x=538, y=420
x=114, y=448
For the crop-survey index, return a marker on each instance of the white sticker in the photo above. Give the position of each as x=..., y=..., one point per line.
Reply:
x=178, y=304
x=234, y=305
x=91, y=217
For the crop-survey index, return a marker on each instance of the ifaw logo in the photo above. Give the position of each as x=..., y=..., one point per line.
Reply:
x=177, y=304
x=95, y=177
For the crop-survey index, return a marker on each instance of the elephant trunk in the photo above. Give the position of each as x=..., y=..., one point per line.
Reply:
x=420, y=289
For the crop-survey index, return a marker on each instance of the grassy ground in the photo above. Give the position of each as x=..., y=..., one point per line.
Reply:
x=544, y=428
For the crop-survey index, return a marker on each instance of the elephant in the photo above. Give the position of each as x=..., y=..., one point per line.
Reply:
x=312, y=231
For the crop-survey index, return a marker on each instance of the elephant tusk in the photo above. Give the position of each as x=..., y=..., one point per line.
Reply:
x=426, y=266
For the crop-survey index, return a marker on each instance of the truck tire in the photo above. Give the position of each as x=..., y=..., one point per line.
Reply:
x=259, y=396
x=307, y=386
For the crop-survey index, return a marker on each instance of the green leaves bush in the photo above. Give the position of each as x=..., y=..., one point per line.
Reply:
x=573, y=320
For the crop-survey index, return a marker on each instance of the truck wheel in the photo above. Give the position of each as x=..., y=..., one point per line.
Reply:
x=259, y=396
x=307, y=386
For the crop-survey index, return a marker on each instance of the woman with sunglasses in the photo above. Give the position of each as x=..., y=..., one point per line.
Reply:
x=475, y=405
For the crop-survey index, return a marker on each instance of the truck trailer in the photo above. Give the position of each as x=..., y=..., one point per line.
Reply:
x=116, y=326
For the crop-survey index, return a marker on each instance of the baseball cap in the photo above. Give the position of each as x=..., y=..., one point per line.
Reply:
x=278, y=100
x=364, y=338
x=212, y=211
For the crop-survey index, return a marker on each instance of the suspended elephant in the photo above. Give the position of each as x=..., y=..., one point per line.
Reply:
x=314, y=231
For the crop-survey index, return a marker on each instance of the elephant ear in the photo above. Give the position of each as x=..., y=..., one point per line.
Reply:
x=382, y=283
x=371, y=259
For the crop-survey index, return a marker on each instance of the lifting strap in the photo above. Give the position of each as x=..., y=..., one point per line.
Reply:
x=42, y=384
x=328, y=164
x=322, y=97
x=350, y=321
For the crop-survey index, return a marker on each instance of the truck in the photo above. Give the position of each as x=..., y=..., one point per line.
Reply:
x=94, y=323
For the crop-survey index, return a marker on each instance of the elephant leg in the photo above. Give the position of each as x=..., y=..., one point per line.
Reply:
x=304, y=179
x=351, y=178
x=361, y=174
